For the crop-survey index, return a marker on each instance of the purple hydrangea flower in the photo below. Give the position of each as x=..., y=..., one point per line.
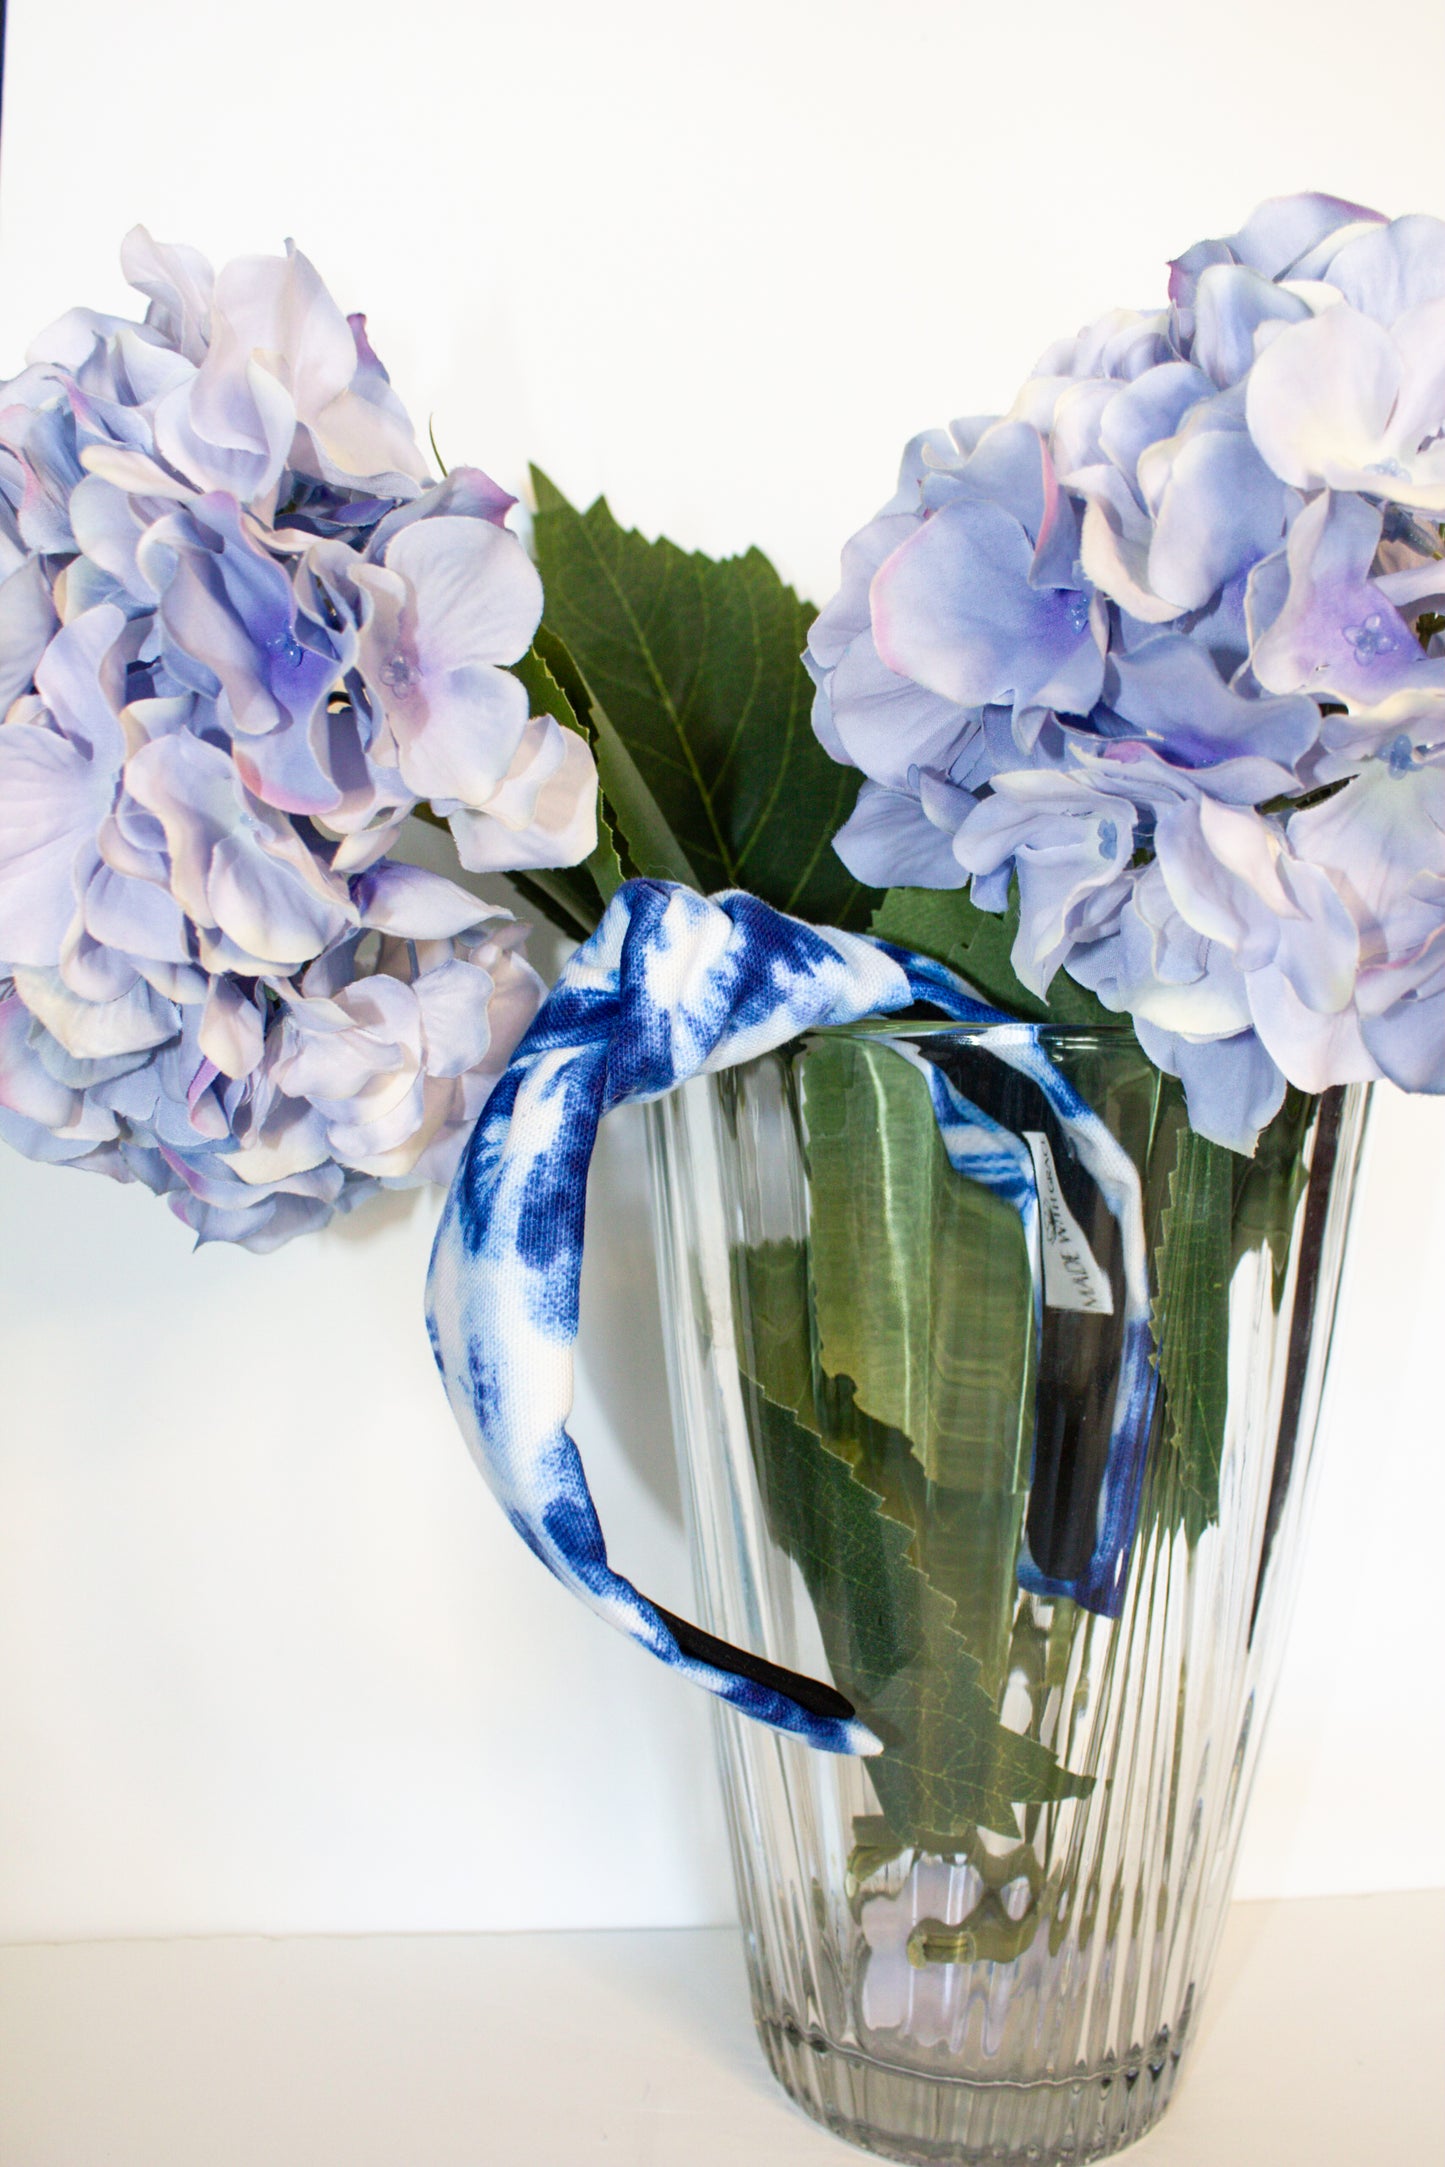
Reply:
x=242, y=637
x=1114, y=645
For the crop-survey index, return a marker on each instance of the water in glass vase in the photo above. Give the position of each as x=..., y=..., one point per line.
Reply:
x=910, y=1448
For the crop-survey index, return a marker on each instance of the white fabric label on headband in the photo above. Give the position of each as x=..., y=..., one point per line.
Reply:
x=1073, y=1276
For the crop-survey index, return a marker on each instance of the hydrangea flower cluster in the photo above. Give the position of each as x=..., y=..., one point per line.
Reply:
x=1163, y=645
x=242, y=637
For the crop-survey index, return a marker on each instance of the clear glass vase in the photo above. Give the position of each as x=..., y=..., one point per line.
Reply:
x=989, y=1942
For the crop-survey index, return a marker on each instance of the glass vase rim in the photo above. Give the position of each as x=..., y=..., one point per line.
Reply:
x=1115, y=1034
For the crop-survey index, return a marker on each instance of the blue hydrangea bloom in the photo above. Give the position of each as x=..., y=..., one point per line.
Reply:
x=242, y=637
x=1161, y=646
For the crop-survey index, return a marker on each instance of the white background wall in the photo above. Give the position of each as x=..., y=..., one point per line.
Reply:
x=269, y=1658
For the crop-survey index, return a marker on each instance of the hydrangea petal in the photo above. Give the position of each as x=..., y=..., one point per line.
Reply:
x=1230, y=303
x=132, y=1023
x=888, y=840
x=1335, y=632
x=178, y=283
x=954, y=609
x=1232, y=1086
x=417, y=905
x=455, y=1003
x=1218, y=510
x=1392, y=268
x=27, y=622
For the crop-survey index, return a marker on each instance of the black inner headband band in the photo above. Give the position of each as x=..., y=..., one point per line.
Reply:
x=809, y=1693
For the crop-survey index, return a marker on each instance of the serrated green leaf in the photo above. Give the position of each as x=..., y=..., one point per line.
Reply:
x=697, y=663
x=948, y=925
x=853, y=1555
x=949, y=1765
x=955, y=1765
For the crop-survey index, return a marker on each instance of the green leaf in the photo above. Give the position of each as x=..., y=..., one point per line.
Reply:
x=853, y=1555
x=925, y=1317
x=921, y=1278
x=949, y=1765
x=1191, y=1324
x=948, y=925
x=698, y=665
x=774, y=1313
x=571, y=911
x=955, y=1766
x=908, y=1543
x=1268, y=1188
x=965, y=1539
x=641, y=839
x=598, y=878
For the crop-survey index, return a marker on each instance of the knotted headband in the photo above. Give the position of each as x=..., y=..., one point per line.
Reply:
x=669, y=986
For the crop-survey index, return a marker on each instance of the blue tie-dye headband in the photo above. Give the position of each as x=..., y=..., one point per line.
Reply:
x=668, y=986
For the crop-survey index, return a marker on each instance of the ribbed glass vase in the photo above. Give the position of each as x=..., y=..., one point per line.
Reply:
x=989, y=1942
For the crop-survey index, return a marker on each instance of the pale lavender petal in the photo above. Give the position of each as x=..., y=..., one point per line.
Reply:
x=891, y=726
x=840, y=622
x=1335, y=633
x=1217, y=510
x=93, y=1030
x=1314, y=1048
x=232, y=1029
x=543, y=812
x=26, y=1086
x=226, y=604
x=81, y=679
x=27, y=621
x=1286, y=229
x=476, y=593
x=1232, y=1087
x=230, y=427
x=91, y=970
x=1407, y=1040
x=465, y=493
x=108, y=528
x=178, y=283
x=1230, y=303
x=455, y=1004
x=954, y=609
x=293, y=1142
x=889, y=841
x=266, y=906
x=1114, y=544
x=1340, y=403
x=1068, y=845
x=1148, y=411
x=417, y=905
x=52, y=799
x=1170, y=689
x=139, y=916
x=1393, y=268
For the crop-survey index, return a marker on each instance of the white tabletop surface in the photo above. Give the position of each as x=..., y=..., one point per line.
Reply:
x=1320, y=2047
